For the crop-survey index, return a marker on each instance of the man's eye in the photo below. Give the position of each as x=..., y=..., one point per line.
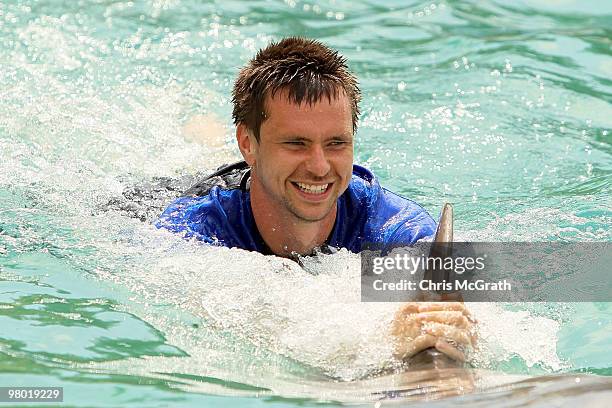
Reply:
x=294, y=142
x=338, y=143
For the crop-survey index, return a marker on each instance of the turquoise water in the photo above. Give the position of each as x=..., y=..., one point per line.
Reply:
x=502, y=108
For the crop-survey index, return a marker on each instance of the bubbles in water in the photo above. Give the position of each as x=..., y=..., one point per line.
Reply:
x=111, y=113
x=506, y=334
x=508, y=67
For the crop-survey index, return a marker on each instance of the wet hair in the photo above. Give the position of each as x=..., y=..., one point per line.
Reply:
x=307, y=69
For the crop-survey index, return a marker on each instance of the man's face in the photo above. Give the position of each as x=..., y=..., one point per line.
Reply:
x=304, y=159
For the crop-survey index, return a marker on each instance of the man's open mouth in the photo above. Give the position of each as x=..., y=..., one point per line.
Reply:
x=312, y=188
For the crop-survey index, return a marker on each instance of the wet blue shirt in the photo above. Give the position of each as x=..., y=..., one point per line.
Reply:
x=367, y=214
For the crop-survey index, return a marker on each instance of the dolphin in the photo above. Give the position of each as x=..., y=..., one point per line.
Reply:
x=441, y=247
x=444, y=233
x=442, y=244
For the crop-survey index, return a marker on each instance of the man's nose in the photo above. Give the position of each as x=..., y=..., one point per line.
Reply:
x=317, y=162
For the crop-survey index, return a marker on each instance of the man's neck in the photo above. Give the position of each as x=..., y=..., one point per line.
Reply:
x=287, y=235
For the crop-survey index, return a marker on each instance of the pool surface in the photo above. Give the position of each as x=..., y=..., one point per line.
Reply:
x=501, y=108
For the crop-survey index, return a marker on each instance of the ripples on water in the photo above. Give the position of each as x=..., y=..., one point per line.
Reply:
x=502, y=109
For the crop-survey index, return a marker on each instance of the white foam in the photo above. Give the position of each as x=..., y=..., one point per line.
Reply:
x=505, y=334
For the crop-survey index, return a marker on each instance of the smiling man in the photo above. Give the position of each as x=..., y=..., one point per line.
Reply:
x=296, y=108
x=300, y=165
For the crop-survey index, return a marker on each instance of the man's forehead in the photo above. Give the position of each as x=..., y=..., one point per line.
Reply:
x=285, y=96
x=284, y=108
x=324, y=117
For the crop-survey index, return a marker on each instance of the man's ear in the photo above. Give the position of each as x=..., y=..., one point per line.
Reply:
x=246, y=143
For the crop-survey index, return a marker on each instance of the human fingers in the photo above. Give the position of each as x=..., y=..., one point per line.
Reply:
x=454, y=318
x=444, y=306
x=403, y=323
x=454, y=353
x=410, y=347
x=444, y=331
x=403, y=329
x=408, y=309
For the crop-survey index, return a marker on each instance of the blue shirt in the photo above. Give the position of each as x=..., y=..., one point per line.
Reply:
x=367, y=215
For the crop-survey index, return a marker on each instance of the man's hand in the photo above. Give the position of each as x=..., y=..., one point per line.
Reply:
x=446, y=326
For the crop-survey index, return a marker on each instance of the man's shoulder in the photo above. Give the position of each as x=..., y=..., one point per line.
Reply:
x=215, y=197
x=213, y=209
x=365, y=187
x=226, y=177
x=388, y=217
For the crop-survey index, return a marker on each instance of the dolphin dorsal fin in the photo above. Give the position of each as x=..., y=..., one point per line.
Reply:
x=444, y=233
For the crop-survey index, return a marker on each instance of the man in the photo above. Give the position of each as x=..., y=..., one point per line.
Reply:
x=296, y=112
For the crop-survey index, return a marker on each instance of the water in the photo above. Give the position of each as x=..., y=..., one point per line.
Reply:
x=502, y=109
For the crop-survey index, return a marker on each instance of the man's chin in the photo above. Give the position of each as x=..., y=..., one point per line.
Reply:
x=310, y=219
x=311, y=216
x=308, y=211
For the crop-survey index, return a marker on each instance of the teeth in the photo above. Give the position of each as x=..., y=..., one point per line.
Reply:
x=312, y=189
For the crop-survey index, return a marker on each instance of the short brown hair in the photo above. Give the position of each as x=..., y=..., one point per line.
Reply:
x=308, y=69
